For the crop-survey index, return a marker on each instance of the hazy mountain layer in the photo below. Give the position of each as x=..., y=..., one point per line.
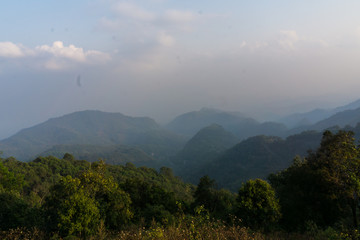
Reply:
x=94, y=128
x=316, y=115
x=341, y=119
x=242, y=127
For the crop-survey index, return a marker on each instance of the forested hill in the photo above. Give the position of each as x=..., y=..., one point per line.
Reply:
x=94, y=128
x=256, y=157
x=205, y=145
x=113, y=154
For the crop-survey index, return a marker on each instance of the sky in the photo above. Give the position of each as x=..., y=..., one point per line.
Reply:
x=161, y=58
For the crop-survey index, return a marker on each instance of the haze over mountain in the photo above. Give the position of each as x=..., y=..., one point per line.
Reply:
x=316, y=115
x=92, y=128
x=340, y=119
x=115, y=129
x=212, y=150
x=161, y=58
x=236, y=123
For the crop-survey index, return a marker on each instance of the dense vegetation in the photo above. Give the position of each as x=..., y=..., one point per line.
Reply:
x=316, y=197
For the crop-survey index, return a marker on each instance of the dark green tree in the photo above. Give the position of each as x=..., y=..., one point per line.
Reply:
x=9, y=182
x=218, y=203
x=205, y=193
x=338, y=164
x=15, y=212
x=257, y=205
x=324, y=188
x=150, y=201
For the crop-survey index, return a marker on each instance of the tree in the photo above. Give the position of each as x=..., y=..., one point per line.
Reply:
x=70, y=209
x=9, y=182
x=204, y=193
x=338, y=164
x=113, y=202
x=257, y=205
x=324, y=188
x=219, y=203
x=16, y=212
x=150, y=201
x=75, y=206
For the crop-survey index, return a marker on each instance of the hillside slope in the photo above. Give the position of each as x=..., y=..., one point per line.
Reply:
x=207, y=143
x=257, y=157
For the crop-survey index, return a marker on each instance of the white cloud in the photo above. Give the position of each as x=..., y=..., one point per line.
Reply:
x=166, y=39
x=288, y=39
x=130, y=16
x=134, y=11
x=10, y=50
x=57, y=56
x=58, y=50
x=179, y=16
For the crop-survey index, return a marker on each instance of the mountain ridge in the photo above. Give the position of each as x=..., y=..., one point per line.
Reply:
x=91, y=127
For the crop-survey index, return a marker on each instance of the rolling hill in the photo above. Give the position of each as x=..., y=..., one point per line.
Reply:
x=201, y=149
x=93, y=128
x=257, y=157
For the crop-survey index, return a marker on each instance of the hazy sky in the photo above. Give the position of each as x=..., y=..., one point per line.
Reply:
x=160, y=58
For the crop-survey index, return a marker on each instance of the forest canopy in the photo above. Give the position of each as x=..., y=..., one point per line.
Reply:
x=69, y=197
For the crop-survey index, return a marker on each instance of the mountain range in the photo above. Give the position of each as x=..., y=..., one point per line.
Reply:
x=241, y=126
x=93, y=128
x=309, y=118
x=228, y=146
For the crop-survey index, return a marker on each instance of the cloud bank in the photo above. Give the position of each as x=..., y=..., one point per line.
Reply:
x=54, y=57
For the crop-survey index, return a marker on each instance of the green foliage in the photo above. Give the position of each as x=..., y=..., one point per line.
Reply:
x=324, y=188
x=218, y=202
x=257, y=205
x=9, y=182
x=204, y=194
x=150, y=201
x=113, y=202
x=76, y=205
x=114, y=154
x=164, y=179
x=70, y=209
x=16, y=212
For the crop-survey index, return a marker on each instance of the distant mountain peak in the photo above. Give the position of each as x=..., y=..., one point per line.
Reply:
x=311, y=117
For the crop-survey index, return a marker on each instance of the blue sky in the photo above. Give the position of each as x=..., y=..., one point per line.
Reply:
x=160, y=58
